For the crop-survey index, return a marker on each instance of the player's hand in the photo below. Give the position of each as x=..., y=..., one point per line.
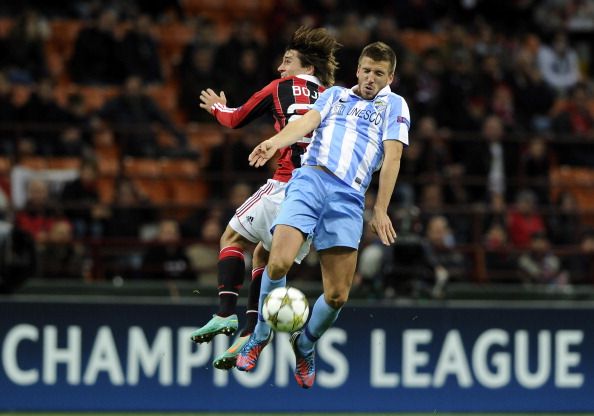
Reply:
x=262, y=153
x=209, y=98
x=382, y=225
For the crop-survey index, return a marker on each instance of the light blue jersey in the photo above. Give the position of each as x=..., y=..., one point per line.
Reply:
x=349, y=139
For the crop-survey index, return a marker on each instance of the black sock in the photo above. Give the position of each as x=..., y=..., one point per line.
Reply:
x=251, y=313
x=231, y=273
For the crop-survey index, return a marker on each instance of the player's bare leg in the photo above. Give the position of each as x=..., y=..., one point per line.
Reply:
x=286, y=242
x=338, y=269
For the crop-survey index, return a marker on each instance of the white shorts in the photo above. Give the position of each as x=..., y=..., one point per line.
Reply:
x=253, y=220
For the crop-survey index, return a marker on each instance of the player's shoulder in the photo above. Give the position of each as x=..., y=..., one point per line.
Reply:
x=396, y=100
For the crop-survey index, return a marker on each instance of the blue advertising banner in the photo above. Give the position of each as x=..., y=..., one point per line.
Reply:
x=138, y=356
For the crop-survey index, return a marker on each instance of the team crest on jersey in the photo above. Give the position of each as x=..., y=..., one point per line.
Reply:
x=380, y=104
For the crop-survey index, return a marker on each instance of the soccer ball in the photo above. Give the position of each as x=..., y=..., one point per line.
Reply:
x=285, y=309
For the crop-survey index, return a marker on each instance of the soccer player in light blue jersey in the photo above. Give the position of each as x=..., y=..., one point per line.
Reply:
x=356, y=132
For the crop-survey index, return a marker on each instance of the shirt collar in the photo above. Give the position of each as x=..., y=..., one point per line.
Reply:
x=310, y=78
x=383, y=92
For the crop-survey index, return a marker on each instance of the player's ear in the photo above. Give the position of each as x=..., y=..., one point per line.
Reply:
x=310, y=70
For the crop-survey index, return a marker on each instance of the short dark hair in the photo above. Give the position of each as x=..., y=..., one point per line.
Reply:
x=379, y=51
x=316, y=47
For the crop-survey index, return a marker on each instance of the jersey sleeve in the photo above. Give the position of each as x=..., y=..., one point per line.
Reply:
x=324, y=102
x=257, y=105
x=397, y=121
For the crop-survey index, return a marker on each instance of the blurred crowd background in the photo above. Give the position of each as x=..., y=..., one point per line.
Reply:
x=110, y=171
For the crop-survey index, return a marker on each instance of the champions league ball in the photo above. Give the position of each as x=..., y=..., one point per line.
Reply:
x=285, y=309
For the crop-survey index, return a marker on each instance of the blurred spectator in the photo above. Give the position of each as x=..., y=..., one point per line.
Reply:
x=82, y=204
x=500, y=258
x=458, y=90
x=229, y=160
x=197, y=76
x=536, y=162
x=442, y=241
x=559, y=64
x=582, y=263
x=24, y=58
x=409, y=267
x=18, y=254
x=139, y=51
x=204, y=254
x=430, y=85
x=541, y=266
x=45, y=118
x=524, y=219
x=533, y=98
x=135, y=117
x=95, y=58
x=129, y=211
x=565, y=223
x=575, y=116
x=243, y=37
x=490, y=158
x=575, y=125
x=7, y=116
x=386, y=30
x=167, y=260
x=60, y=257
x=353, y=35
x=40, y=211
x=250, y=73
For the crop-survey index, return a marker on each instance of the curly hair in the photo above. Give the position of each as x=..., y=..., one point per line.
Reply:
x=316, y=47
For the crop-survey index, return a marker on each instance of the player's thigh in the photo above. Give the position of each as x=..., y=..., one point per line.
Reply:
x=232, y=238
x=338, y=266
x=286, y=243
x=253, y=219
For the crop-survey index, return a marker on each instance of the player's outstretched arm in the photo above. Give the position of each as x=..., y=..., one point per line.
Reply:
x=380, y=222
x=292, y=132
x=209, y=98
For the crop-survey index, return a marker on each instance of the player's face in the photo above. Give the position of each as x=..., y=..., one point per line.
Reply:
x=372, y=76
x=291, y=65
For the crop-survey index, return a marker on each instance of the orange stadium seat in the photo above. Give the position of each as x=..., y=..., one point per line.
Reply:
x=579, y=181
x=165, y=97
x=106, y=187
x=95, y=97
x=5, y=165
x=142, y=168
x=188, y=191
x=419, y=41
x=63, y=163
x=157, y=190
x=34, y=162
x=6, y=24
x=177, y=168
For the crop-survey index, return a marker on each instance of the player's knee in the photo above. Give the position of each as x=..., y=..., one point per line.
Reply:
x=231, y=237
x=277, y=267
x=336, y=300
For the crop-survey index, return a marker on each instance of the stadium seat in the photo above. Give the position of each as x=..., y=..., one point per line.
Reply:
x=179, y=168
x=142, y=168
x=419, y=41
x=34, y=162
x=106, y=187
x=5, y=165
x=63, y=163
x=157, y=190
x=188, y=191
x=6, y=24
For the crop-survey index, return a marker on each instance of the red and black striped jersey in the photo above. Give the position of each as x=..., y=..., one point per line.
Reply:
x=285, y=99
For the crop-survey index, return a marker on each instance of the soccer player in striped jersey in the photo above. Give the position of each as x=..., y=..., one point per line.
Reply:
x=356, y=131
x=308, y=67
